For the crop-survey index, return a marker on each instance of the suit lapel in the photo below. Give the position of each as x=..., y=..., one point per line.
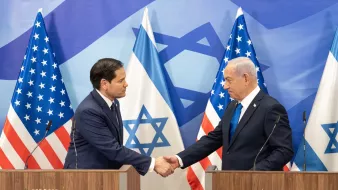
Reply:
x=247, y=115
x=111, y=117
x=108, y=112
x=226, y=122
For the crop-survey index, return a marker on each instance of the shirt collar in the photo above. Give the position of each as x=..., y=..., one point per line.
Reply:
x=248, y=99
x=107, y=100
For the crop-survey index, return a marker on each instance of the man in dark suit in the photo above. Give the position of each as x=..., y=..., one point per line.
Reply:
x=245, y=126
x=97, y=132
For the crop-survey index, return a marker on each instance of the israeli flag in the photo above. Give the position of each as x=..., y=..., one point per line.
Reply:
x=150, y=126
x=321, y=149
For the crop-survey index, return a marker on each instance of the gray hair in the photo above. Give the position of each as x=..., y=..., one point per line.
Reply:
x=244, y=65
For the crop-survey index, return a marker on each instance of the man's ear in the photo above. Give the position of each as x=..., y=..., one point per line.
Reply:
x=103, y=84
x=246, y=77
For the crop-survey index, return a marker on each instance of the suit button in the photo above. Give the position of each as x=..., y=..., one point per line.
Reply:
x=228, y=152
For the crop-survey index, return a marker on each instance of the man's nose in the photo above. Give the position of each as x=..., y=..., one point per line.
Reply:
x=226, y=86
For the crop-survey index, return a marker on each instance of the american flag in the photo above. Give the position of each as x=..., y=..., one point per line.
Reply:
x=39, y=96
x=239, y=45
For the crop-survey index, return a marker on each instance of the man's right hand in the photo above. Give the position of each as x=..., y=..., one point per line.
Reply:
x=173, y=161
x=162, y=167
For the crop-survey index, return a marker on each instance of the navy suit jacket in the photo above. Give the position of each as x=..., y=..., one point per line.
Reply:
x=252, y=131
x=98, y=139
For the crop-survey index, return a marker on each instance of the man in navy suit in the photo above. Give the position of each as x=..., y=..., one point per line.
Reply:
x=245, y=126
x=97, y=132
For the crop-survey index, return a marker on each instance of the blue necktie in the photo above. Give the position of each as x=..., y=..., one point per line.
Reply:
x=234, y=120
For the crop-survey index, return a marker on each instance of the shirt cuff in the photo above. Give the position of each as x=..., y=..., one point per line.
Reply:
x=179, y=161
x=152, y=165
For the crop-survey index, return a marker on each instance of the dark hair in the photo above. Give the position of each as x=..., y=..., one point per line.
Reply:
x=104, y=69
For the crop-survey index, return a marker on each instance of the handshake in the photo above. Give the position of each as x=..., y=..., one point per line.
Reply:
x=166, y=165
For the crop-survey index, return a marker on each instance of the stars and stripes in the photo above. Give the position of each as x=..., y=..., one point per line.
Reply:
x=239, y=45
x=39, y=97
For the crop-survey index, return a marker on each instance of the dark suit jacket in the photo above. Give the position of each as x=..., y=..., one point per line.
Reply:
x=252, y=131
x=98, y=138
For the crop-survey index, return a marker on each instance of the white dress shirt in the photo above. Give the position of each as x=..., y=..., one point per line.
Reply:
x=247, y=101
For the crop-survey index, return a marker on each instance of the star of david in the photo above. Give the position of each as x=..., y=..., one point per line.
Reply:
x=158, y=124
x=331, y=131
x=190, y=42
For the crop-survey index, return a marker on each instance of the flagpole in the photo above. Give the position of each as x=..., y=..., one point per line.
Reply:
x=304, y=143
